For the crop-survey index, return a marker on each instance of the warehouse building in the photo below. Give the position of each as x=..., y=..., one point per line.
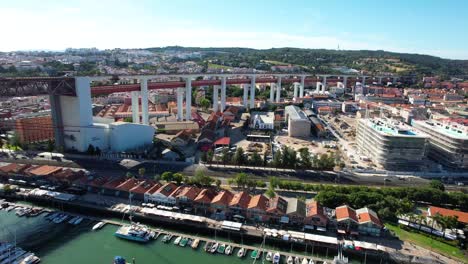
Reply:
x=297, y=121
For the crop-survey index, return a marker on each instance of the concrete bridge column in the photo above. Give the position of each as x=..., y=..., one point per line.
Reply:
x=278, y=89
x=272, y=92
x=324, y=84
x=252, y=92
x=345, y=81
x=223, y=94
x=295, y=90
x=135, y=107
x=380, y=80
x=301, y=90
x=246, y=94
x=318, y=87
x=188, y=98
x=180, y=104
x=363, y=81
x=144, y=101
x=215, y=98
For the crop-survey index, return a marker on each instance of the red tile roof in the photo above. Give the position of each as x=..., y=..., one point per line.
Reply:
x=143, y=187
x=462, y=216
x=223, y=198
x=365, y=215
x=223, y=141
x=44, y=170
x=205, y=196
x=191, y=192
x=167, y=189
x=314, y=208
x=98, y=182
x=14, y=168
x=153, y=189
x=240, y=199
x=345, y=212
x=113, y=183
x=127, y=185
x=258, y=201
x=278, y=205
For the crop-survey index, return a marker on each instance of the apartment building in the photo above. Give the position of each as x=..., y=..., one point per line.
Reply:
x=391, y=144
x=448, y=142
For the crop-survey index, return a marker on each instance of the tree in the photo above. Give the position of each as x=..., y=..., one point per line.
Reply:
x=277, y=159
x=270, y=193
x=436, y=184
x=256, y=159
x=167, y=176
x=50, y=145
x=225, y=156
x=218, y=183
x=274, y=182
x=129, y=175
x=141, y=172
x=205, y=103
x=178, y=178
x=240, y=179
x=306, y=160
x=239, y=158
x=209, y=156
x=201, y=178
x=128, y=120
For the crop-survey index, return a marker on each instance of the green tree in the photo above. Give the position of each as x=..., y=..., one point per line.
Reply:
x=270, y=193
x=256, y=159
x=436, y=184
x=167, y=176
x=218, y=183
x=141, y=172
x=129, y=175
x=209, y=156
x=240, y=179
x=202, y=179
x=205, y=103
x=306, y=159
x=128, y=120
x=178, y=178
x=239, y=157
x=274, y=182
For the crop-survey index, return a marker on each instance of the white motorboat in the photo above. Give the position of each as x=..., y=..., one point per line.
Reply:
x=177, y=240
x=134, y=232
x=305, y=261
x=195, y=243
x=98, y=226
x=290, y=260
x=311, y=261
x=214, y=247
x=241, y=253
x=269, y=256
x=297, y=260
x=276, y=258
x=228, y=250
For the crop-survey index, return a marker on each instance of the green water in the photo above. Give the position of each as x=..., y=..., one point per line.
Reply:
x=64, y=243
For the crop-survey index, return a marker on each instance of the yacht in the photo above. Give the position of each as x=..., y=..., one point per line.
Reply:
x=177, y=240
x=214, y=247
x=166, y=238
x=207, y=246
x=297, y=260
x=29, y=258
x=228, y=250
x=290, y=260
x=269, y=256
x=241, y=253
x=311, y=261
x=98, y=226
x=305, y=261
x=195, y=243
x=221, y=248
x=276, y=258
x=135, y=232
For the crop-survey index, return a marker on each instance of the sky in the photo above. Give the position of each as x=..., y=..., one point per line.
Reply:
x=431, y=27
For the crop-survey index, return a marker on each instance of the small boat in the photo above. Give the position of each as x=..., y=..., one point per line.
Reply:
x=61, y=218
x=183, y=242
x=134, y=232
x=35, y=212
x=98, y=226
x=241, y=253
x=311, y=261
x=276, y=258
x=195, y=243
x=166, y=238
x=214, y=247
x=229, y=250
x=221, y=248
x=255, y=254
x=207, y=246
x=189, y=243
x=269, y=256
x=29, y=258
x=305, y=261
x=119, y=260
x=297, y=260
x=177, y=240
x=290, y=260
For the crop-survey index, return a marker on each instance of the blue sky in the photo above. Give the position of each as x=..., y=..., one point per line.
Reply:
x=416, y=26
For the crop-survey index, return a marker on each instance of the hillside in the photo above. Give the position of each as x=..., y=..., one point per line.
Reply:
x=322, y=60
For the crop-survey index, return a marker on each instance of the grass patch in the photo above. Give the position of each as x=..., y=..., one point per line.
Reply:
x=427, y=242
x=217, y=66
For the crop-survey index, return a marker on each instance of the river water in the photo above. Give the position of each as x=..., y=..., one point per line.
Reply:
x=64, y=243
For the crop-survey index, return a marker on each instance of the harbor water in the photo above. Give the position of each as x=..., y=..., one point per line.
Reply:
x=65, y=243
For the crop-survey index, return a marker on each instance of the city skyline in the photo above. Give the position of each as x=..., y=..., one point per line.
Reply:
x=367, y=25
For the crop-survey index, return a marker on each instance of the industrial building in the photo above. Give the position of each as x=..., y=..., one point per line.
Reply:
x=448, y=142
x=297, y=121
x=391, y=144
x=262, y=120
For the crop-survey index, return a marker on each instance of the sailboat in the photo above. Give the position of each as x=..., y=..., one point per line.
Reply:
x=134, y=231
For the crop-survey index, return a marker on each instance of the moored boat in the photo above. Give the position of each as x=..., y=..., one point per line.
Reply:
x=195, y=243
x=221, y=248
x=228, y=250
x=134, y=232
x=98, y=226
x=183, y=242
x=214, y=247
x=177, y=240
x=207, y=246
x=297, y=260
x=241, y=253
x=269, y=256
x=290, y=260
x=78, y=220
x=255, y=254
x=276, y=258
x=305, y=261
x=311, y=261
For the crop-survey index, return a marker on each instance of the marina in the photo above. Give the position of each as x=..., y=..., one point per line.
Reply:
x=235, y=252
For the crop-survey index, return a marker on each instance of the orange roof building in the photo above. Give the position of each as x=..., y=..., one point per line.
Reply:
x=461, y=216
x=240, y=200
